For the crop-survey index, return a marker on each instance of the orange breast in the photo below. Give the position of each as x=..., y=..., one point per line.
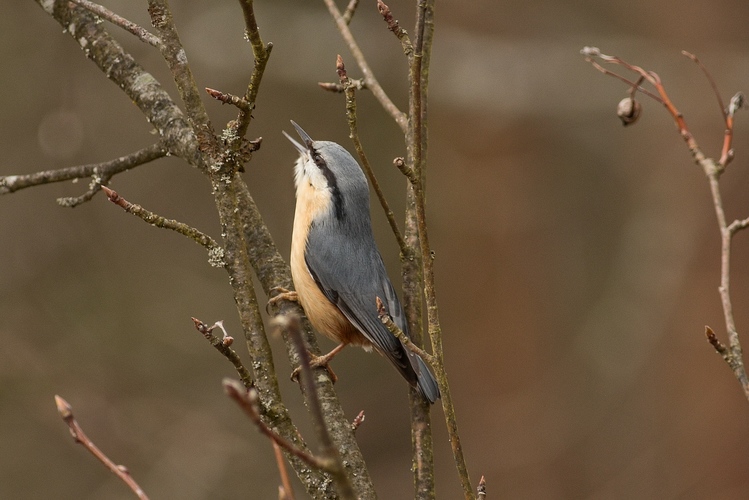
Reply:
x=323, y=314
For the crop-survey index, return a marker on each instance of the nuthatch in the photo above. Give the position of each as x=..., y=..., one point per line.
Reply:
x=337, y=269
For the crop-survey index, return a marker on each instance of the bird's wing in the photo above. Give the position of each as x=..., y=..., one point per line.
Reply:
x=352, y=275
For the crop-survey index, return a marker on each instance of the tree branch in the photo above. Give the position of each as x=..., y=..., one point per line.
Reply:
x=417, y=152
x=285, y=491
x=732, y=353
x=261, y=52
x=247, y=242
x=225, y=98
x=273, y=272
x=143, y=34
x=291, y=325
x=140, y=86
x=224, y=347
x=723, y=110
x=174, y=54
x=215, y=252
x=422, y=443
x=350, y=11
x=369, y=78
x=247, y=399
x=393, y=26
x=80, y=437
x=102, y=172
x=238, y=266
x=398, y=333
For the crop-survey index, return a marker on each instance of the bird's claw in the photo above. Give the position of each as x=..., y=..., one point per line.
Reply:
x=280, y=293
x=316, y=362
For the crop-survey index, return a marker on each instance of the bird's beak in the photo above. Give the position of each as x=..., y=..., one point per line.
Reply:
x=303, y=135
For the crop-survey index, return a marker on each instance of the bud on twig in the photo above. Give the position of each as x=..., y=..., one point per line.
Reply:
x=628, y=110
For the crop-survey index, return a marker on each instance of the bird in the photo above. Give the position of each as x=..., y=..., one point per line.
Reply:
x=337, y=269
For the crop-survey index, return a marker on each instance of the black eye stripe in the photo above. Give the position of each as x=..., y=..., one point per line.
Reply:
x=332, y=182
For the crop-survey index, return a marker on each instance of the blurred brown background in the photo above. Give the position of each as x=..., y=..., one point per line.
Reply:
x=577, y=261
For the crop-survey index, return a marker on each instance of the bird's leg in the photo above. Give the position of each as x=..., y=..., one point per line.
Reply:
x=281, y=293
x=320, y=362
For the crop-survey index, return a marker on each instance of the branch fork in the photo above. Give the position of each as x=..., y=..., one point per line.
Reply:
x=731, y=353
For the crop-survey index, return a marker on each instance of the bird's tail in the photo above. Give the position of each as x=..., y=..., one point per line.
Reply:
x=426, y=381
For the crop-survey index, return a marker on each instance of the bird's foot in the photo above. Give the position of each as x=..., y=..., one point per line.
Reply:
x=320, y=362
x=280, y=293
x=316, y=362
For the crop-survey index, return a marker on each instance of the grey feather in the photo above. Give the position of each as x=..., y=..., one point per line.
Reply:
x=343, y=258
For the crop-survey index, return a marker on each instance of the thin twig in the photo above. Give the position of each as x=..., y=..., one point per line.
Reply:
x=398, y=333
x=663, y=98
x=261, y=53
x=723, y=110
x=435, y=336
x=66, y=412
x=286, y=492
x=229, y=99
x=350, y=10
x=143, y=34
x=73, y=201
x=393, y=26
x=248, y=401
x=357, y=83
x=215, y=252
x=350, y=93
x=358, y=420
x=102, y=172
x=224, y=347
x=291, y=325
x=372, y=83
x=624, y=79
x=735, y=359
x=738, y=225
x=736, y=103
x=732, y=354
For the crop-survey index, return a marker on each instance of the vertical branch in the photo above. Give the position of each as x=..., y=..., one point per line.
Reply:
x=291, y=324
x=417, y=147
x=733, y=356
x=176, y=58
x=422, y=442
x=261, y=53
x=413, y=276
x=264, y=373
